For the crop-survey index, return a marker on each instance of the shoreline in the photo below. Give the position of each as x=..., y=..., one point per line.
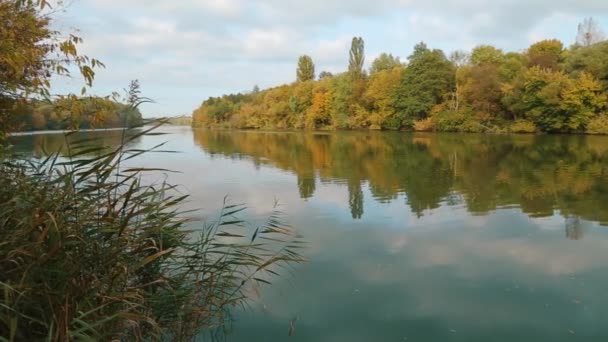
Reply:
x=329, y=130
x=63, y=131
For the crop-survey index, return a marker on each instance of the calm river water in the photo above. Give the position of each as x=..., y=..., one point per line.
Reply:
x=411, y=237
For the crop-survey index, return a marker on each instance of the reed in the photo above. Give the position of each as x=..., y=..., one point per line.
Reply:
x=89, y=251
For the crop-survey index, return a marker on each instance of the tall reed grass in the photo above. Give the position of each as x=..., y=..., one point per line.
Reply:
x=90, y=252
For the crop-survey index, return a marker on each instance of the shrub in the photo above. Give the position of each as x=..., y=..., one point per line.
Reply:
x=598, y=125
x=458, y=121
x=523, y=126
x=425, y=125
x=89, y=252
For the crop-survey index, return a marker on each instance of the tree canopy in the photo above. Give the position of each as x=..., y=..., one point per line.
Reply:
x=547, y=87
x=32, y=53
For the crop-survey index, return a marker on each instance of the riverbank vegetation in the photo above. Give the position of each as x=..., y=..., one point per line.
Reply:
x=73, y=113
x=91, y=247
x=91, y=252
x=546, y=88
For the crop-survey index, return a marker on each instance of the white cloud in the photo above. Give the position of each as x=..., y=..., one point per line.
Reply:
x=231, y=43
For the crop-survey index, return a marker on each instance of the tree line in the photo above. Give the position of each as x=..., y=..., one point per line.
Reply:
x=546, y=88
x=69, y=113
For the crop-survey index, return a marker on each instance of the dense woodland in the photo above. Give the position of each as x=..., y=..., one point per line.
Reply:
x=546, y=88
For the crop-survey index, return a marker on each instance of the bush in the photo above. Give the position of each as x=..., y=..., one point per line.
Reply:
x=458, y=121
x=598, y=125
x=89, y=252
x=425, y=125
x=523, y=126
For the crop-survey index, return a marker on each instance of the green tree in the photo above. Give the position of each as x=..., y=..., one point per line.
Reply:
x=428, y=78
x=306, y=69
x=325, y=74
x=357, y=58
x=592, y=59
x=486, y=54
x=341, y=94
x=384, y=62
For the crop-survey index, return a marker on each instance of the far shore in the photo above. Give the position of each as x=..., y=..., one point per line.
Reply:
x=63, y=131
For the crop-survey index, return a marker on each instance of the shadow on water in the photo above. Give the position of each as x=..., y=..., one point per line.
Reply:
x=41, y=145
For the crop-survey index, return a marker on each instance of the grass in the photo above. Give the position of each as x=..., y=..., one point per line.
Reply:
x=90, y=252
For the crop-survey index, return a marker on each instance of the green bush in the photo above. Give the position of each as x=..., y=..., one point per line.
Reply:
x=458, y=121
x=89, y=252
x=523, y=126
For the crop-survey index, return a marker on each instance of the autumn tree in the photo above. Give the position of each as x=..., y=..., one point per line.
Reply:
x=546, y=54
x=557, y=103
x=378, y=97
x=32, y=53
x=481, y=84
x=306, y=69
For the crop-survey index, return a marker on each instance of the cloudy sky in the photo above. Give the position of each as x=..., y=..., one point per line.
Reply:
x=184, y=51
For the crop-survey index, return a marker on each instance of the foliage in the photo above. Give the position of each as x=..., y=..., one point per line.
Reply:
x=306, y=69
x=550, y=87
x=523, y=126
x=592, y=59
x=486, y=54
x=457, y=121
x=70, y=112
x=598, y=124
x=555, y=102
x=384, y=62
x=32, y=52
x=547, y=54
x=356, y=58
x=428, y=77
x=91, y=252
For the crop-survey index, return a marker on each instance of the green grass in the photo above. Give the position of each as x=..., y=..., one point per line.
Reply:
x=90, y=252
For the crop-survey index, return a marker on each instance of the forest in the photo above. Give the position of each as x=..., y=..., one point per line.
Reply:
x=548, y=87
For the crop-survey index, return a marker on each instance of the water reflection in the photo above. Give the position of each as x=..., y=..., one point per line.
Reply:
x=421, y=237
x=40, y=144
x=539, y=174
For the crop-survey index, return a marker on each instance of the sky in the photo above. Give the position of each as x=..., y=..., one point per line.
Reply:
x=184, y=51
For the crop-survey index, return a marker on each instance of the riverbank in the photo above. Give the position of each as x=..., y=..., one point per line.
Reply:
x=64, y=131
x=491, y=131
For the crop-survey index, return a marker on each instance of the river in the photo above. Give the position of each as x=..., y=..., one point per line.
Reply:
x=410, y=237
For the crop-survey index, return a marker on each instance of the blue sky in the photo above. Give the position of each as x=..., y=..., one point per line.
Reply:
x=184, y=51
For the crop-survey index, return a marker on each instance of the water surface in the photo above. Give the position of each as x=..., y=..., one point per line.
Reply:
x=411, y=237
